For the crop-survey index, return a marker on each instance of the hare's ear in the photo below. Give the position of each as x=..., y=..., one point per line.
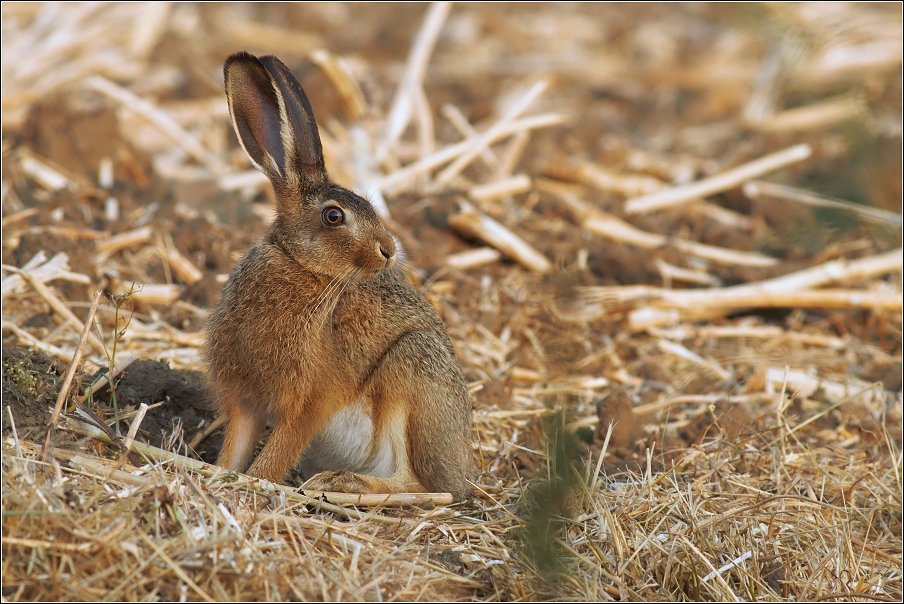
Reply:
x=273, y=119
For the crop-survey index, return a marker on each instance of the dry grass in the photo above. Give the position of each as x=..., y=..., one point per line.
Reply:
x=755, y=453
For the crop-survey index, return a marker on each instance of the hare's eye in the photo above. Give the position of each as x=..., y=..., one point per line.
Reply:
x=333, y=216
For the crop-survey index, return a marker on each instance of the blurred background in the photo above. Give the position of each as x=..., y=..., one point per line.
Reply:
x=673, y=90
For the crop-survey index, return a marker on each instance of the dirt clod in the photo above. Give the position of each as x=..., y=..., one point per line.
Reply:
x=30, y=387
x=730, y=420
x=617, y=409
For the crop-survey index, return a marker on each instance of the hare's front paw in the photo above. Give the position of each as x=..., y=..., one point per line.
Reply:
x=341, y=481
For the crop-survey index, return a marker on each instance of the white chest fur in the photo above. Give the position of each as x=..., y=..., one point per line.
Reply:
x=348, y=443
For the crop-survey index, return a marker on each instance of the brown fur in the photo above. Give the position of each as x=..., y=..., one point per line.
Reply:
x=316, y=318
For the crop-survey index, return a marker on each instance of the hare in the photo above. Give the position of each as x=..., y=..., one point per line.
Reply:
x=317, y=331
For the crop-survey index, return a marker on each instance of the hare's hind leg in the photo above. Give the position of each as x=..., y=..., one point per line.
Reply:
x=419, y=379
x=422, y=425
x=346, y=481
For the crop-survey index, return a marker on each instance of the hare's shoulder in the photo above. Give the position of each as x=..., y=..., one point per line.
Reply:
x=389, y=301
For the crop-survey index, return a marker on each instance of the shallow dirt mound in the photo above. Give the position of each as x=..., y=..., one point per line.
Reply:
x=182, y=398
x=177, y=399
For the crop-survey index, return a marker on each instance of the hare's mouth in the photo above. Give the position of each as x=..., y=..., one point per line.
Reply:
x=375, y=266
x=382, y=260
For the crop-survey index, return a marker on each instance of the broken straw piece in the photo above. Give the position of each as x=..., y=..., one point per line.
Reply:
x=719, y=182
x=394, y=181
x=183, y=267
x=670, y=272
x=348, y=88
x=18, y=216
x=472, y=258
x=148, y=28
x=426, y=135
x=124, y=240
x=464, y=127
x=815, y=116
x=729, y=218
x=687, y=354
x=58, y=306
x=612, y=227
x=24, y=336
x=473, y=223
x=666, y=306
x=512, y=154
x=478, y=144
x=500, y=188
x=628, y=185
x=245, y=179
x=697, y=307
x=366, y=171
x=827, y=298
x=806, y=385
x=829, y=272
x=799, y=282
x=631, y=185
x=159, y=118
x=705, y=304
x=278, y=40
x=157, y=293
x=723, y=255
x=44, y=175
x=757, y=188
x=43, y=270
x=415, y=68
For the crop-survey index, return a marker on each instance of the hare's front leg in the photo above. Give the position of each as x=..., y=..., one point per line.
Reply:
x=243, y=431
x=295, y=426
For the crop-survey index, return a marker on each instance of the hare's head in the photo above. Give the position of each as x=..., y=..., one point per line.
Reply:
x=323, y=227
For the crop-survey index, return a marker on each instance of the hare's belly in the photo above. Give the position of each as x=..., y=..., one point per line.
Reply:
x=347, y=443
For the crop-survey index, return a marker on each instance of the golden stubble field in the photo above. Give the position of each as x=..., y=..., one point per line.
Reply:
x=681, y=221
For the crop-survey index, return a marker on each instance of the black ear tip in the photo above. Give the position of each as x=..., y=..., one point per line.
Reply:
x=240, y=57
x=244, y=65
x=270, y=61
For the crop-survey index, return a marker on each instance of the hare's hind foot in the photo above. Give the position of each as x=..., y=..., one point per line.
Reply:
x=346, y=481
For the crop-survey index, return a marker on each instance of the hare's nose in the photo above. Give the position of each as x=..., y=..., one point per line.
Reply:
x=387, y=247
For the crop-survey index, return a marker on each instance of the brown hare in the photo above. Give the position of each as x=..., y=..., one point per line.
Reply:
x=319, y=334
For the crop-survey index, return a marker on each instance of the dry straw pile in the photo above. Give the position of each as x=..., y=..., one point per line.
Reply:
x=684, y=343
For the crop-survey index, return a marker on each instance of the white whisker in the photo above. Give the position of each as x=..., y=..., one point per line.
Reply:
x=326, y=294
x=353, y=274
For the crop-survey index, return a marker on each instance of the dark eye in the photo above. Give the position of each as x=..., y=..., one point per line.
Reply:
x=333, y=216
